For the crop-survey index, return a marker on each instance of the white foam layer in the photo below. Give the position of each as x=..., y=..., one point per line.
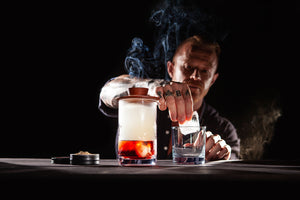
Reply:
x=137, y=121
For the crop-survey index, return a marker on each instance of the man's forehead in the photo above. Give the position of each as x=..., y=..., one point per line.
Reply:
x=191, y=53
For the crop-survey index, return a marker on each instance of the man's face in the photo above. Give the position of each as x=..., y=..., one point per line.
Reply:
x=197, y=68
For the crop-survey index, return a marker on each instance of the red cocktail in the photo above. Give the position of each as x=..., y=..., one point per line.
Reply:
x=136, y=149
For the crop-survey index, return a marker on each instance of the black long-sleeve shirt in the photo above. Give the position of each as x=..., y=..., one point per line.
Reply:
x=208, y=116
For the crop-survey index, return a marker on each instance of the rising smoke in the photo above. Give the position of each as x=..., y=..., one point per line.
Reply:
x=256, y=127
x=174, y=23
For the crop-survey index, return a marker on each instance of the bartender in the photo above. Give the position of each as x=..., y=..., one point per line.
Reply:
x=193, y=70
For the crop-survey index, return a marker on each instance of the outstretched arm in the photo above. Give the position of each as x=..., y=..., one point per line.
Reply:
x=118, y=86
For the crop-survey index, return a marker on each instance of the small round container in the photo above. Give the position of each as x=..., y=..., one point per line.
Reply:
x=84, y=159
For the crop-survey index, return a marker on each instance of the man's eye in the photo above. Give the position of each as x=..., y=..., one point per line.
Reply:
x=189, y=68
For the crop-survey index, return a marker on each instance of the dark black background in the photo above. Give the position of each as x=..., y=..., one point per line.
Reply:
x=59, y=56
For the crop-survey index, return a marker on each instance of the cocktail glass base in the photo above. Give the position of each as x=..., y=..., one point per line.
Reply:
x=189, y=160
x=137, y=162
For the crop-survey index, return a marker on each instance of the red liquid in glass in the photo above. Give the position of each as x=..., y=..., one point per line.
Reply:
x=133, y=149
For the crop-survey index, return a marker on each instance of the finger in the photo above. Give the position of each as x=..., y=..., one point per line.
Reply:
x=208, y=134
x=199, y=140
x=186, y=93
x=188, y=145
x=214, y=152
x=211, y=154
x=225, y=152
x=211, y=141
x=161, y=102
x=170, y=102
x=180, y=103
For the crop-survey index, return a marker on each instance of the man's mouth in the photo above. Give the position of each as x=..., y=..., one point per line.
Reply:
x=194, y=89
x=194, y=86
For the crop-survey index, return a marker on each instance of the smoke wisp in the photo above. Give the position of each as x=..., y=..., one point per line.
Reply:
x=174, y=23
x=256, y=128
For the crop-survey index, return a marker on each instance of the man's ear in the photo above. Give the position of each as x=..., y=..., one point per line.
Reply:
x=170, y=67
x=216, y=75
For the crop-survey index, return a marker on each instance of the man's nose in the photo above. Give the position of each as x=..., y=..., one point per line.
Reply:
x=196, y=75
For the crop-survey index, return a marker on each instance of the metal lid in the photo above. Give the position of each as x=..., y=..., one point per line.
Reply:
x=84, y=158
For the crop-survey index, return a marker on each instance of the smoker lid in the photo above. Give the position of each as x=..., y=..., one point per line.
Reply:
x=139, y=93
x=84, y=158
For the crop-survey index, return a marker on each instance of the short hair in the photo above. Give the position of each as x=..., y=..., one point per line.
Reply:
x=200, y=42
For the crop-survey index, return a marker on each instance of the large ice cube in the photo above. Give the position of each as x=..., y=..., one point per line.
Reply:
x=191, y=126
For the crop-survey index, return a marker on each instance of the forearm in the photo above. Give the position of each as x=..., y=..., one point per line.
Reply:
x=118, y=87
